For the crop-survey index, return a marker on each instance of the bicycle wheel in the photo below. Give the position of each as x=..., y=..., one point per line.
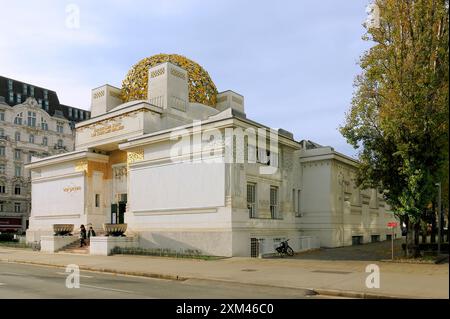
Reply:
x=290, y=251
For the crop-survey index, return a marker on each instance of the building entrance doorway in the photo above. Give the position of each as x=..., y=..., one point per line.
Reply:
x=118, y=210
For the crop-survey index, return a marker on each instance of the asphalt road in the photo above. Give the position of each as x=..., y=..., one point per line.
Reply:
x=30, y=281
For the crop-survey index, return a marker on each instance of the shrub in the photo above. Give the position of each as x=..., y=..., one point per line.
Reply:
x=7, y=237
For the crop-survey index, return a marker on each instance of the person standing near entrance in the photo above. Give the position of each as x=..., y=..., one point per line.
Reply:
x=82, y=236
x=90, y=233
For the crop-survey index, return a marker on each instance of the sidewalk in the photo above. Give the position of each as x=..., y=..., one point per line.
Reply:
x=332, y=277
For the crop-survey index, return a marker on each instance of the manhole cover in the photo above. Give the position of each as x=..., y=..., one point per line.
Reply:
x=332, y=272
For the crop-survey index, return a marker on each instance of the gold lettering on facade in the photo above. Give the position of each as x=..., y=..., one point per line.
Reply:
x=70, y=189
x=107, y=129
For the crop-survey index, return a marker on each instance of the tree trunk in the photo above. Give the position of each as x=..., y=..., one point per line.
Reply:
x=409, y=237
x=433, y=227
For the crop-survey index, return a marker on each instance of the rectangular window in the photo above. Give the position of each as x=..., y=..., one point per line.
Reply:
x=60, y=143
x=60, y=127
x=2, y=115
x=2, y=188
x=70, y=111
x=18, y=171
x=17, y=154
x=46, y=105
x=357, y=240
x=10, y=85
x=388, y=237
x=97, y=200
x=44, y=141
x=32, y=119
x=375, y=238
x=40, y=102
x=17, y=190
x=262, y=156
x=44, y=126
x=2, y=168
x=2, y=151
x=2, y=133
x=251, y=200
x=18, y=120
x=25, y=89
x=45, y=95
x=17, y=136
x=294, y=207
x=31, y=91
x=273, y=202
x=81, y=115
x=17, y=207
x=19, y=98
x=31, y=138
x=11, y=96
x=2, y=208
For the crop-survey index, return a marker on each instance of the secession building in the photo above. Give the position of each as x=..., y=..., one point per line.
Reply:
x=32, y=123
x=154, y=156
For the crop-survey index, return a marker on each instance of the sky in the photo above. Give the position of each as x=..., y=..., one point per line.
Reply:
x=293, y=61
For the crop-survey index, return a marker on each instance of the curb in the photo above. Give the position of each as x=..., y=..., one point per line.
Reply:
x=357, y=294
x=103, y=270
x=309, y=291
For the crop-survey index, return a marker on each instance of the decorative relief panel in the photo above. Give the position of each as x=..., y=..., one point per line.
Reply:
x=236, y=100
x=99, y=94
x=158, y=72
x=177, y=73
x=81, y=166
x=135, y=156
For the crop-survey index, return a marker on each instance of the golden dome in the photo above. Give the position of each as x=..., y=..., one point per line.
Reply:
x=201, y=88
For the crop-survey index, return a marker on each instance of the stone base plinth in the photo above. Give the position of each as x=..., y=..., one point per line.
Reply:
x=104, y=245
x=51, y=244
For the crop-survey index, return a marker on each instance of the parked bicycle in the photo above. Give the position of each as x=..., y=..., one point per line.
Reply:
x=285, y=249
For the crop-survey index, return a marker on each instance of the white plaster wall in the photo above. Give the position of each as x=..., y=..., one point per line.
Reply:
x=58, y=201
x=52, y=244
x=177, y=186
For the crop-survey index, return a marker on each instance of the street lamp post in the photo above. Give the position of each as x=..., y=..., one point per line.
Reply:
x=439, y=218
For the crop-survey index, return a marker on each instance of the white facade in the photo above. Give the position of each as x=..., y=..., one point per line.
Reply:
x=177, y=189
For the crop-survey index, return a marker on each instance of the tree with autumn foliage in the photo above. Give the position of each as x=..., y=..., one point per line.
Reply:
x=398, y=119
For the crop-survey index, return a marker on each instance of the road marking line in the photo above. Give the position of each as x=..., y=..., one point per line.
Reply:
x=65, y=274
x=105, y=288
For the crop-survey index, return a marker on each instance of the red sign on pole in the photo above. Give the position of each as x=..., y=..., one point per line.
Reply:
x=392, y=224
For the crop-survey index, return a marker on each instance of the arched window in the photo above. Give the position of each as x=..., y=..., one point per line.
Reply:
x=2, y=188
x=18, y=119
x=44, y=124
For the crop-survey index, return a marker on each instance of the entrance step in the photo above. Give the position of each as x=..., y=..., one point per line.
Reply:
x=75, y=248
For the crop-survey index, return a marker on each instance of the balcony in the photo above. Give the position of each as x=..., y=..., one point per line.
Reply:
x=60, y=147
